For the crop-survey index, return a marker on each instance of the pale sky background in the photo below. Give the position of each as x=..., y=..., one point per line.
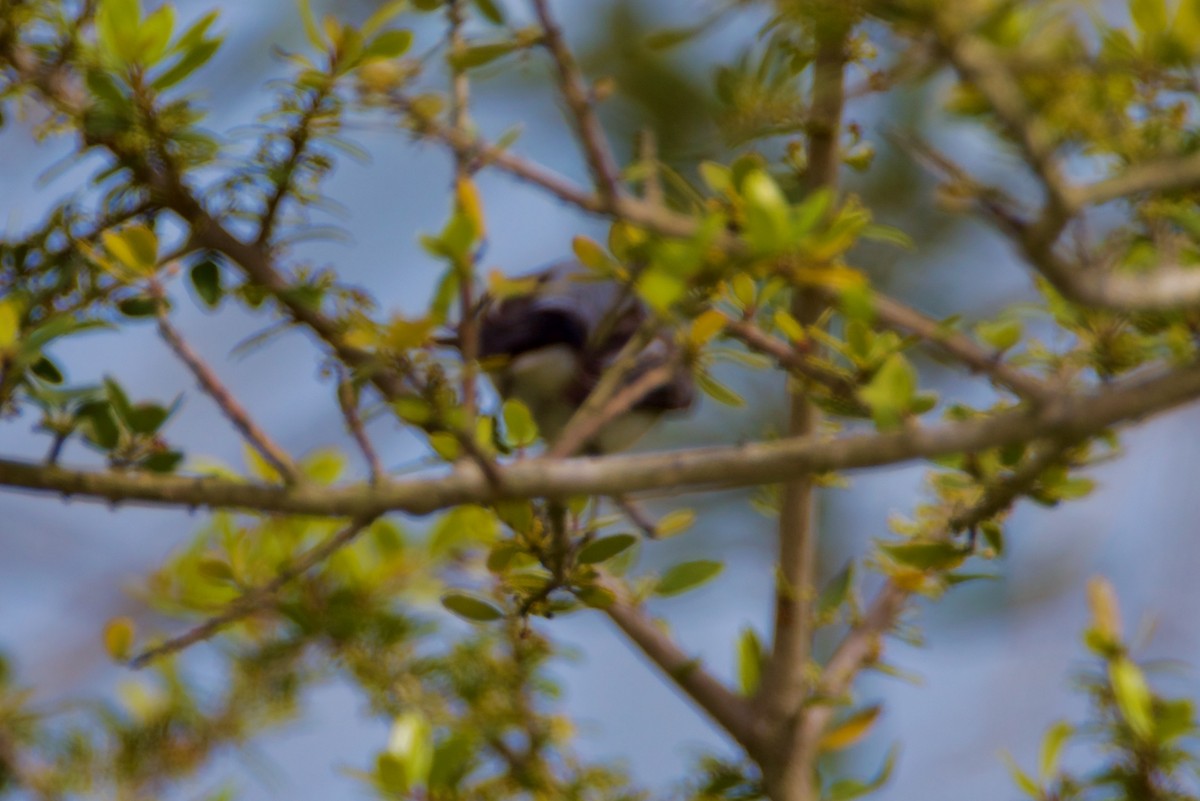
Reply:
x=995, y=669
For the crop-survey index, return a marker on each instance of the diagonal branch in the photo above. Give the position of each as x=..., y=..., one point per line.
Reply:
x=575, y=92
x=258, y=439
x=730, y=711
x=861, y=645
x=257, y=598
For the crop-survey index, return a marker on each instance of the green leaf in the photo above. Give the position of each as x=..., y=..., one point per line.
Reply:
x=672, y=37
x=188, y=62
x=462, y=527
x=117, y=28
x=389, y=44
x=97, y=424
x=1150, y=16
x=490, y=10
x=605, y=548
x=767, y=228
x=452, y=761
x=597, y=597
x=718, y=391
x=135, y=246
x=381, y=16
x=206, y=280
x=323, y=466
x=926, y=555
x=1000, y=334
x=891, y=391
x=118, y=399
x=478, y=55
x=836, y=592
x=687, y=576
x=118, y=638
x=154, y=34
x=147, y=418
x=195, y=33
x=138, y=306
x=1133, y=696
x=718, y=177
x=410, y=744
x=471, y=607
x=750, y=660
x=520, y=430
x=47, y=370
x=311, y=29
x=1052, y=745
x=851, y=730
x=163, y=462
x=847, y=789
x=1022, y=779
x=674, y=522
x=993, y=532
x=10, y=323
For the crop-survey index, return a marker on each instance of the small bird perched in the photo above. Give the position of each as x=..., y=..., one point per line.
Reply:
x=549, y=346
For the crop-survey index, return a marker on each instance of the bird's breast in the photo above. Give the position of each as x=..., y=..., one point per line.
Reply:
x=542, y=380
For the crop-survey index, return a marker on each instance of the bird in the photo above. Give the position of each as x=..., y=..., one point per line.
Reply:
x=548, y=346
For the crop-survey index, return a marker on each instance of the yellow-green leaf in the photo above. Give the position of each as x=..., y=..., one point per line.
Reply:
x=750, y=660
x=674, y=522
x=1133, y=696
x=520, y=429
x=135, y=247
x=10, y=323
x=118, y=638
x=850, y=730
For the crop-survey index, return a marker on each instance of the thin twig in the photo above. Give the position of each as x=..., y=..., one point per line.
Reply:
x=961, y=347
x=861, y=645
x=348, y=402
x=258, y=439
x=602, y=394
x=575, y=92
x=468, y=337
x=257, y=598
x=842, y=386
x=574, y=437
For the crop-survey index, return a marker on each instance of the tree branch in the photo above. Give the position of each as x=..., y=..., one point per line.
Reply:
x=730, y=711
x=575, y=92
x=861, y=645
x=789, y=771
x=1069, y=416
x=258, y=439
x=960, y=347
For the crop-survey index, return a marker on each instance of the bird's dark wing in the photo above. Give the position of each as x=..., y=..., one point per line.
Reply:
x=566, y=308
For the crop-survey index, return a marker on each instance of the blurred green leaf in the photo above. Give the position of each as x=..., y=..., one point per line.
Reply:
x=687, y=576
x=605, y=548
x=471, y=607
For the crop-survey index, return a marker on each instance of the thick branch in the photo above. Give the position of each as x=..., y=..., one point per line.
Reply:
x=1071, y=416
x=789, y=771
x=730, y=711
